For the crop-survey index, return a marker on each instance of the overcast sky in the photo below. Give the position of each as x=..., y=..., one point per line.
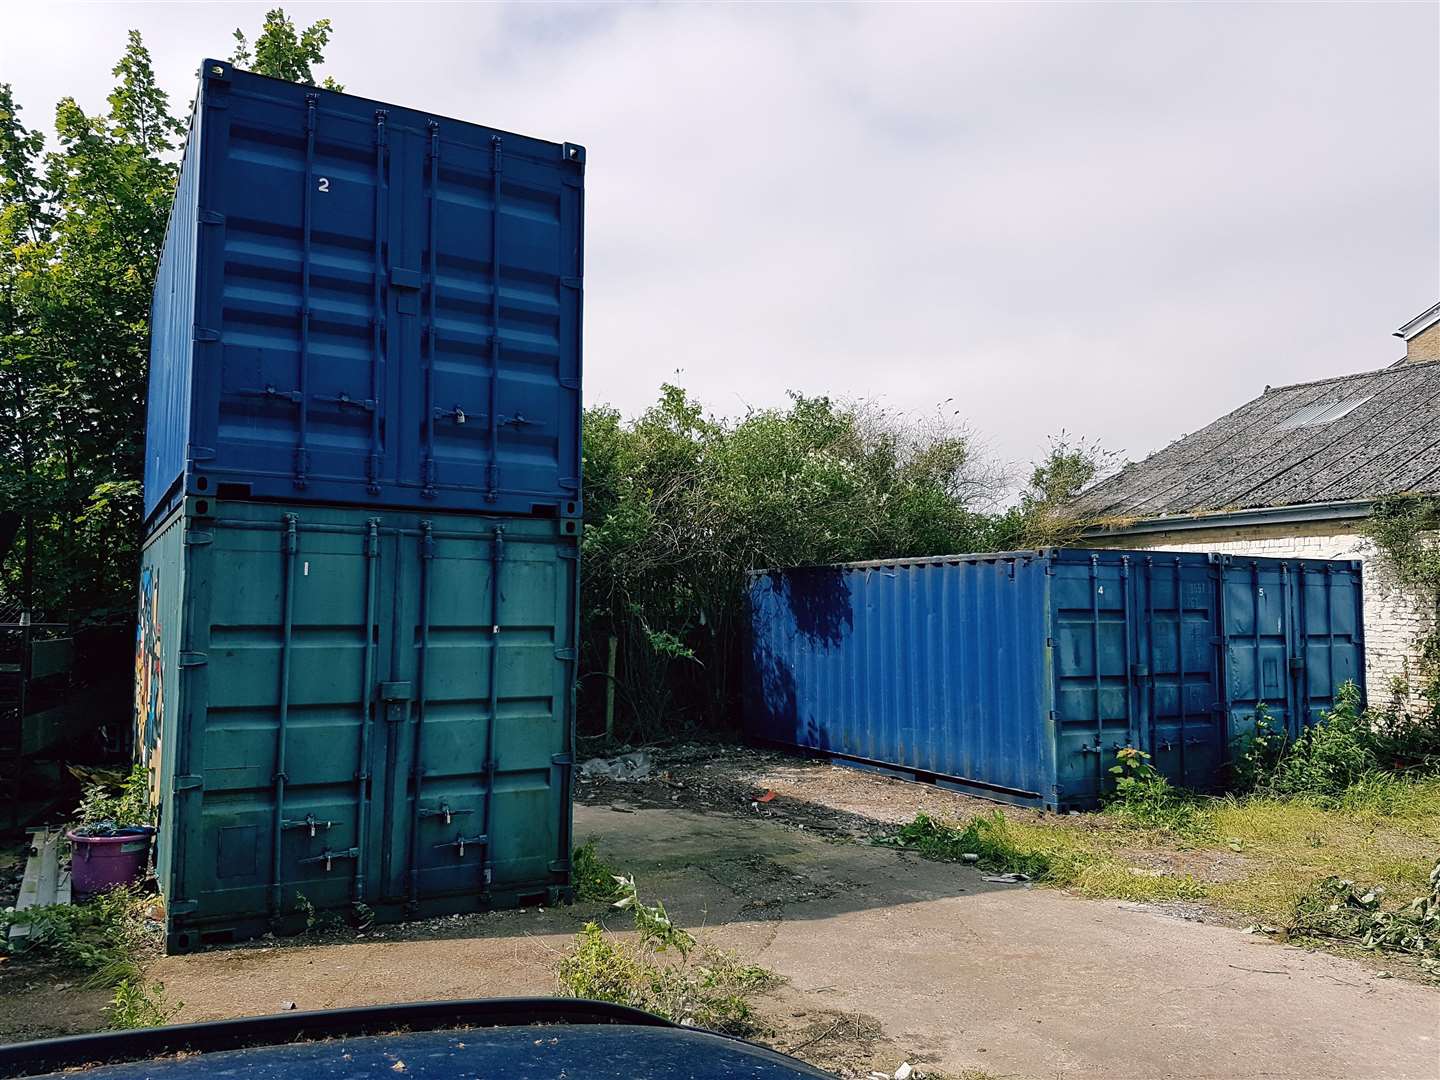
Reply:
x=1123, y=220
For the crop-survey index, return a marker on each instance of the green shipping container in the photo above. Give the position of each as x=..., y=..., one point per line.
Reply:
x=355, y=711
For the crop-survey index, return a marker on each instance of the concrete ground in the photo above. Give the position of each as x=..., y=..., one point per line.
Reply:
x=889, y=958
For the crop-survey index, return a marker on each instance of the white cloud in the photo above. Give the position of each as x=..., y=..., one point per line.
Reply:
x=1119, y=219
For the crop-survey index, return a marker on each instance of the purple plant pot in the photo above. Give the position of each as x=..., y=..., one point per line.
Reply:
x=102, y=862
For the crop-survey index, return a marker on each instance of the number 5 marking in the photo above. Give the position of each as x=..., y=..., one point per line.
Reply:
x=324, y=183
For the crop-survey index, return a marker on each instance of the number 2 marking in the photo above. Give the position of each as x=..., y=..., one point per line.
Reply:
x=324, y=183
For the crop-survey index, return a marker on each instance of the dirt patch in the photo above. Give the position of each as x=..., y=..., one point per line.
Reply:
x=844, y=1043
x=833, y=801
x=43, y=1002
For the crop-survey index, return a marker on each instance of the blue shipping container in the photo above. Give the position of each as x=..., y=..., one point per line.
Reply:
x=365, y=304
x=1017, y=676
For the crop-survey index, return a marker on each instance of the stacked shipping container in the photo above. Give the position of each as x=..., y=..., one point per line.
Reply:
x=354, y=670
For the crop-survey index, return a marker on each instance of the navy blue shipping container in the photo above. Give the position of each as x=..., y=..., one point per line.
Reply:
x=364, y=304
x=1017, y=676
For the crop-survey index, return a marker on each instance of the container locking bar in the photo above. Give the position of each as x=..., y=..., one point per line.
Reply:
x=377, y=324
x=461, y=842
x=302, y=449
x=328, y=857
x=343, y=400
x=367, y=694
x=270, y=393
x=495, y=220
x=289, y=552
x=427, y=478
x=417, y=753
x=444, y=810
x=309, y=821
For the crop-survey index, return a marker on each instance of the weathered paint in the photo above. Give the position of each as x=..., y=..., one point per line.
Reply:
x=1019, y=675
x=353, y=712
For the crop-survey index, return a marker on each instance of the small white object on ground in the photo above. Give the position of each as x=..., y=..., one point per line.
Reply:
x=1009, y=879
x=905, y=1071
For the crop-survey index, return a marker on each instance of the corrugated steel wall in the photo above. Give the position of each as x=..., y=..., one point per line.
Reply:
x=353, y=710
x=1021, y=675
x=938, y=666
x=366, y=304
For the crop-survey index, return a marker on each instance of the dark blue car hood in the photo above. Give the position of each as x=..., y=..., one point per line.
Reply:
x=549, y=1040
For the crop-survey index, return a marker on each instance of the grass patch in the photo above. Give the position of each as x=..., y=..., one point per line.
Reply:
x=1259, y=856
x=664, y=970
x=1060, y=855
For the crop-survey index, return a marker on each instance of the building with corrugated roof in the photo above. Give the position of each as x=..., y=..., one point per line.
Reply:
x=1294, y=473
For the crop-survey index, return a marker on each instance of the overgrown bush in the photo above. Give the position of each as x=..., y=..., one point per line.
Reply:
x=594, y=878
x=665, y=971
x=139, y=1004
x=99, y=937
x=681, y=505
x=1328, y=756
x=1145, y=797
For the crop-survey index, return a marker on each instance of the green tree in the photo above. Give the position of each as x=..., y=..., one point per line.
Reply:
x=681, y=505
x=284, y=51
x=81, y=230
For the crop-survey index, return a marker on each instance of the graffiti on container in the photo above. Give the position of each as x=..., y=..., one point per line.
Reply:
x=149, y=678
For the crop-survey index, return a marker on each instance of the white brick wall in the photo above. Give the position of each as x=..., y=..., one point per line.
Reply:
x=1395, y=617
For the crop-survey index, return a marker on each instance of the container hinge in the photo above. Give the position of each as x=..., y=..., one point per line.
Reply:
x=571, y=282
x=182, y=907
x=186, y=782
x=1297, y=663
x=445, y=811
x=560, y=866
x=564, y=654
x=1139, y=671
x=569, y=384
x=197, y=537
x=562, y=759
x=204, y=333
x=1049, y=643
x=460, y=843
x=1054, y=715
x=211, y=217
x=201, y=453
x=328, y=857
x=193, y=659
x=309, y=821
x=570, y=483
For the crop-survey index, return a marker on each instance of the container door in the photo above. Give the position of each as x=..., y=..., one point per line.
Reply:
x=1093, y=658
x=285, y=620
x=1178, y=725
x=1261, y=647
x=307, y=301
x=493, y=238
x=1327, y=640
x=479, y=769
